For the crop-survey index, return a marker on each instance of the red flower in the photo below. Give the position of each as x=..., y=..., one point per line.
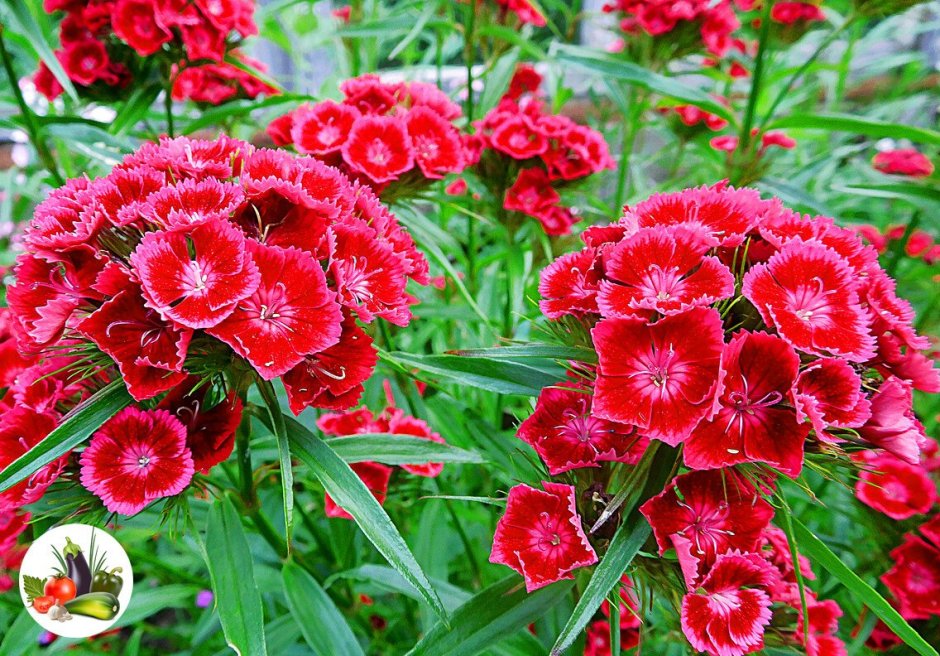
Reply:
x=323, y=128
x=716, y=511
x=21, y=429
x=62, y=221
x=333, y=377
x=753, y=418
x=369, y=94
x=369, y=276
x=659, y=377
x=210, y=429
x=893, y=425
x=290, y=315
x=540, y=535
x=724, y=214
x=280, y=130
x=379, y=147
x=136, y=457
x=375, y=477
x=149, y=351
x=829, y=392
x=823, y=627
x=569, y=285
x=531, y=193
x=903, y=161
x=437, y=146
x=581, y=151
x=135, y=22
x=597, y=642
x=914, y=580
x=663, y=270
x=894, y=487
x=728, y=612
x=196, y=277
x=808, y=293
x=85, y=61
x=789, y=13
x=192, y=202
x=566, y=435
x=557, y=220
x=183, y=157
x=423, y=94
x=400, y=423
x=518, y=138
x=525, y=11
x=46, y=82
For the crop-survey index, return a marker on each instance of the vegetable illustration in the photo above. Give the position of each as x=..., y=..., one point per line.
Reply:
x=100, y=605
x=43, y=604
x=108, y=581
x=78, y=569
x=60, y=587
x=59, y=613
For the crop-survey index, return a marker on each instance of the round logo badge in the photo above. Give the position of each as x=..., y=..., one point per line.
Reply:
x=76, y=580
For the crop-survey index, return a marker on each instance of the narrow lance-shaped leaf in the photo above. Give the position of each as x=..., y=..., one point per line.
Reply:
x=283, y=449
x=322, y=625
x=819, y=553
x=858, y=125
x=495, y=613
x=348, y=491
x=397, y=450
x=233, y=581
x=74, y=429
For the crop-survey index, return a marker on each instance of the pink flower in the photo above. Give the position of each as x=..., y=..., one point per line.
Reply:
x=566, y=435
x=808, y=293
x=894, y=487
x=323, y=128
x=379, y=147
x=829, y=392
x=22, y=428
x=518, y=138
x=753, y=419
x=540, y=535
x=903, y=161
x=893, y=425
x=727, y=613
x=716, y=511
x=914, y=580
x=437, y=146
x=662, y=270
x=569, y=285
x=136, y=457
x=291, y=314
x=659, y=377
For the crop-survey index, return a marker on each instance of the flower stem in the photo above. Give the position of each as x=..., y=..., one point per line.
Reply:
x=32, y=128
x=744, y=138
x=246, y=471
x=168, y=106
x=897, y=250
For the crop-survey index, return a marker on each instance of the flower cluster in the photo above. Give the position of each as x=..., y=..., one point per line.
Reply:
x=192, y=270
x=919, y=245
x=903, y=161
x=524, y=154
x=12, y=525
x=380, y=133
x=754, y=338
x=391, y=421
x=914, y=580
x=687, y=24
x=106, y=45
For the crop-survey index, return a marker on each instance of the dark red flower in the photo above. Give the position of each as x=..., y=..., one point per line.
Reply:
x=663, y=270
x=375, y=477
x=903, y=161
x=323, y=128
x=894, y=487
x=808, y=293
x=566, y=435
x=438, y=149
x=727, y=612
x=333, y=377
x=557, y=220
x=61, y=221
x=753, y=419
x=893, y=426
x=280, y=130
x=823, y=627
x=210, y=429
x=581, y=151
x=136, y=457
x=716, y=511
x=290, y=315
x=829, y=392
x=22, y=428
x=196, y=276
x=540, y=535
x=569, y=285
x=369, y=94
x=531, y=193
x=789, y=13
x=659, y=377
x=379, y=147
x=914, y=580
x=46, y=83
x=135, y=22
x=85, y=61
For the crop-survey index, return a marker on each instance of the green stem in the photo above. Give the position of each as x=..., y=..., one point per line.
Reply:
x=785, y=91
x=168, y=106
x=744, y=138
x=266, y=388
x=897, y=250
x=629, y=131
x=464, y=538
x=246, y=471
x=32, y=128
x=468, y=54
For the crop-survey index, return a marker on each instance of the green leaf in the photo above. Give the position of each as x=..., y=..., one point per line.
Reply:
x=627, y=541
x=819, y=553
x=866, y=126
x=496, y=612
x=266, y=388
x=348, y=490
x=533, y=351
x=239, y=108
x=75, y=427
x=21, y=636
x=900, y=190
x=233, y=580
x=323, y=626
x=134, y=108
x=497, y=81
x=33, y=586
x=28, y=24
x=429, y=10
x=386, y=578
x=500, y=376
x=397, y=449
x=612, y=68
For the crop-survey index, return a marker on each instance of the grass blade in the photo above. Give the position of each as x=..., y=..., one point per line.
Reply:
x=322, y=625
x=397, y=450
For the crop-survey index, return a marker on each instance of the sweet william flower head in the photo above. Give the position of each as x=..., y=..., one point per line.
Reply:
x=894, y=487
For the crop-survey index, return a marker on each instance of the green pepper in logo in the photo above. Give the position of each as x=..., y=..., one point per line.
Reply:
x=108, y=582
